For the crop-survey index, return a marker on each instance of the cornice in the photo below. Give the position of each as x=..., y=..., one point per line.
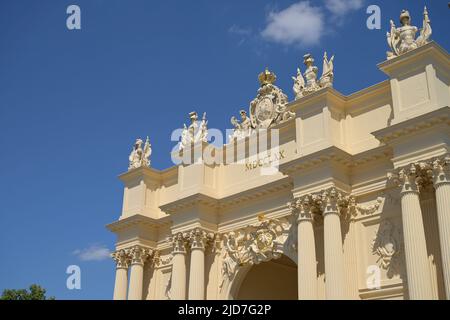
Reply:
x=189, y=202
x=330, y=154
x=200, y=199
x=335, y=155
x=322, y=94
x=414, y=125
x=150, y=173
x=431, y=48
x=256, y=192
x=366, y=93
x=137, y=220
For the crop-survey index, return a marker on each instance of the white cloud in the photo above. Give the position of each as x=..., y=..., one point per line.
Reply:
x=342, y=7
x=241, y=31
x=93, y=253
x=301, y=24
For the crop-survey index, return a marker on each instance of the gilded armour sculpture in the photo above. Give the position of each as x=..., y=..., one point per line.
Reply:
x=140, y=157
x=403, y=39
x=195, y=133
x=307, y=83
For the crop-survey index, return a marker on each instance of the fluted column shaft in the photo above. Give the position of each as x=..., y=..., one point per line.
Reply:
x=197, y=274
x=418, y=272
x=442, y=186
x=198, y=240
x=178, y=289
x=307, y=264
x=334, y=257
x=138, y=257
x=121, y=282
x=136, y=281
x=120, y=287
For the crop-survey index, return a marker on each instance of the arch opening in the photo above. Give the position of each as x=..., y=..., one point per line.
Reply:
x=272, y=280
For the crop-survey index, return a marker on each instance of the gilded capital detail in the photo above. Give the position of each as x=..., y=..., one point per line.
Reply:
x=304, y=208
x=198, y=238
x=121, y=258
x=134, y=255
x=139, y=254
x=421, y=175
x=441, y=171
x=179, y=242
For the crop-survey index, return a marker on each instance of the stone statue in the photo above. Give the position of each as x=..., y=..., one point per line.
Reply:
x=403, y=39
x=231, y=259
x=140, y=157
x=327, y=72
x=194, y=133
x=241, y=129
x=307, y=83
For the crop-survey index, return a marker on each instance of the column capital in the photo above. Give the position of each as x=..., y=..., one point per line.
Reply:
x=179, y=242
x=324, y=202
x=199, y=238
x=139, y=254
x=333, y=200
x=419, y=176
x=121, y=258
x=304, y=208
x=441, y=171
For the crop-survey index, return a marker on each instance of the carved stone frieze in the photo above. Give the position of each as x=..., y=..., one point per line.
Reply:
x=252, y=245
x=386, y=245
x=369, y=209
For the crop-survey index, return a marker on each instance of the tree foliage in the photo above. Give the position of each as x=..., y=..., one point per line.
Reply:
x=35, y=292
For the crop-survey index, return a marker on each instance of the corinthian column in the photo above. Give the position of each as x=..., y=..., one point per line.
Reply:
x=138, y=256
x=178, y=289
x=442, y=185
x=198, y=240
x=120, y=287
x=332, y=202
x=306, y=256
x=418, y=272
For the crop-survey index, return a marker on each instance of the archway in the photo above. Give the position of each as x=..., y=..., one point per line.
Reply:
x=272, y=280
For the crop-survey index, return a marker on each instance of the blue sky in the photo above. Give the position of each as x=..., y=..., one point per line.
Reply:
x=73, y=102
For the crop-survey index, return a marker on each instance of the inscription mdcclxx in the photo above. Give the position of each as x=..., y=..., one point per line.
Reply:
x=266, y=161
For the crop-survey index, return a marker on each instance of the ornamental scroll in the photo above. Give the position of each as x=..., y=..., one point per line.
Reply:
x=253, y=245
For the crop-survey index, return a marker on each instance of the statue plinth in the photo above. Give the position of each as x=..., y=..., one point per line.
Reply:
x=415, y=77
x=191, y=154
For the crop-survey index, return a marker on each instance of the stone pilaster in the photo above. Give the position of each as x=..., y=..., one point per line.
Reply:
x=179, y=242
x=303, y=210
x=138, y=257
x=410, y=179
x=441, y=171
x=122, y=261
x=198, y=239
